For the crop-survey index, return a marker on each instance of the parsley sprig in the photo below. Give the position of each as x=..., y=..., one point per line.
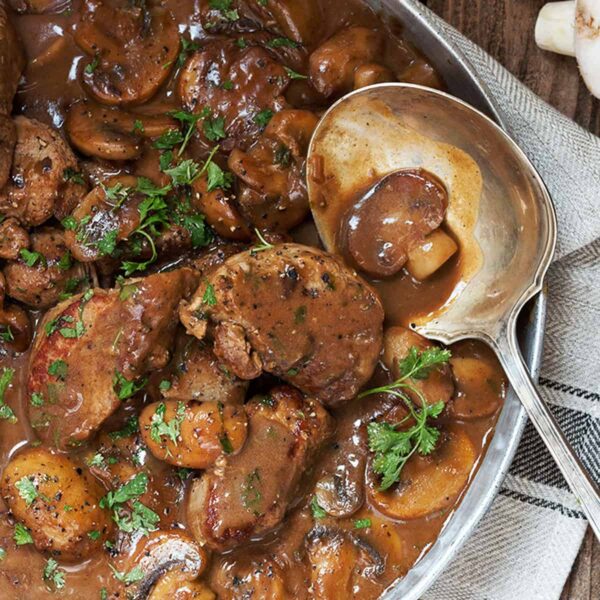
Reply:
x=392, y=447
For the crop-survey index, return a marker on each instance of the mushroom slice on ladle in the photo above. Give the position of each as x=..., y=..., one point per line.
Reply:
x=387, y=196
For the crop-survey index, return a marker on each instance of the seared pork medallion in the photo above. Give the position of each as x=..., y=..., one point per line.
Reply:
x=93, y=351
x=295, y=312
x=196, y=400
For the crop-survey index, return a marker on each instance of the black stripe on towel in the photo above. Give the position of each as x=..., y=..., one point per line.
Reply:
x=541, y=502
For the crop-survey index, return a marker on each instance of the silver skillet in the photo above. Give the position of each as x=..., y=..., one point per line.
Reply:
x=462, y=81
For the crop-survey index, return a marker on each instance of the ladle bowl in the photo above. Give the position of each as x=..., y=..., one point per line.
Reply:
x=499, y=210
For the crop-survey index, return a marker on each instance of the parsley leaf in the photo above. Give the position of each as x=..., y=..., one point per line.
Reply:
x=27, y=490
x=263, y=117
x=136, y=486
x=22, y=535
x=187, y=47
x=131, y=427
x=126, y=389
x=293, y=74
x=58, y=369
x=6, y=412
x=362, y=523
x=317, y=510
x=209, y=298
x=136, y=574
x=217, y=178
x=160, y=428
x=224, y=7
x=53, y=574
x=30, y=258
x=6, y=334
x=214, y=128
x=393, y=447
x=70, y=174
x=281, y=42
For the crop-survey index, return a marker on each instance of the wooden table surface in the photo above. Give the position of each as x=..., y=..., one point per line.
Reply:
x=505, y=29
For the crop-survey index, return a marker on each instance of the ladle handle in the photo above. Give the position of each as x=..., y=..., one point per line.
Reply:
x=580, y=482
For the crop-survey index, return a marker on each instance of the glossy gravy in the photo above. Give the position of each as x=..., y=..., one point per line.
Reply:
x=50, y=85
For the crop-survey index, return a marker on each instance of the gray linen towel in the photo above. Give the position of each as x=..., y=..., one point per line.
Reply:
x=525, y=546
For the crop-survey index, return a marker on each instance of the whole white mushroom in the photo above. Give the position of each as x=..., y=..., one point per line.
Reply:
x=572, y=27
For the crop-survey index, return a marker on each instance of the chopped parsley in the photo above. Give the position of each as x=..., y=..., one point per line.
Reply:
x=263, y=117
x=362, y=523
x=53, y=574
x=281, y=42
x=214, y=128
x=217, y=177
x=136, y=574
x=27, y=490
x=36, y=399
x=126, y=389
x=31, y=258
x=58, y=369
x=224, y=7
x=6, y=334
x=317, y=510
x=131, y=427
x=22, y=535
x=187, y=47
x=70, y=174
x=209, y=298
x=6, y=412
x=160, y=428
x=293, y=74
x=251, y=495
x=91, y=67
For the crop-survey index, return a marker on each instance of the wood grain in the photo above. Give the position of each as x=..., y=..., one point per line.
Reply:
x=505, y=29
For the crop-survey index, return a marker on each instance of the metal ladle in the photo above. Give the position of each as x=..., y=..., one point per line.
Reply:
x=515, y=229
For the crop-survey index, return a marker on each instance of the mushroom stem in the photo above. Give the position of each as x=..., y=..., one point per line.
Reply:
x=555, y=27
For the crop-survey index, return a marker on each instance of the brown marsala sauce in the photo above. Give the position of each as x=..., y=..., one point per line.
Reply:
x=50, y=85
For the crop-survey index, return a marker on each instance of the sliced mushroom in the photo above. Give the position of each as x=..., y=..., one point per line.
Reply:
x=370, y=74
x=338, y=560
x=392, y=218
x=168, y=560
x=298, y=20
x=480, y=382
x=204, y=431
x=220, y=210
x=112, y=133
x=39, y=277
x=342, y=492
x=100, y=215
x=133, y=49
x=273, y=192
x=58, y=482
x=333, y=65
x=257, y=578
x=438, y=386
x=430, y=484
x=39, y=174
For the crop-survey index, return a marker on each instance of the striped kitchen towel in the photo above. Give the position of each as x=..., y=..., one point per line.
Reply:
x=525, y=546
